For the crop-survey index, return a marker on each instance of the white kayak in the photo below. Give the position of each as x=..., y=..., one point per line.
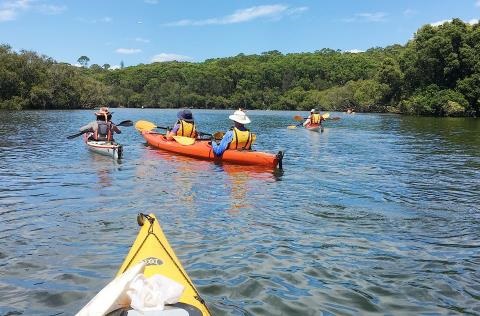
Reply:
x=106, y=148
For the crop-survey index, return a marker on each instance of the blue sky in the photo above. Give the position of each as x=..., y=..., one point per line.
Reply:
x=143, y=31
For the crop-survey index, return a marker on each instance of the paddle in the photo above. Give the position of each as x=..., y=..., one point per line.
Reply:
x=122, y=123
x=183, y=140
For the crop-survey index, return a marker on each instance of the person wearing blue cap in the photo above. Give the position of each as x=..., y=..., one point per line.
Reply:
x=185, y=125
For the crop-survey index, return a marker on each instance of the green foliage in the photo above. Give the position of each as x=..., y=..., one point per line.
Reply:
x=83, y=60
x=435, y=73
x=433, y=100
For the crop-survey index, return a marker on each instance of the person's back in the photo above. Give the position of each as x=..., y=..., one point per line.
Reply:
x=102, y=129
x=185, y=125
x=241, y=138
x=237, y=138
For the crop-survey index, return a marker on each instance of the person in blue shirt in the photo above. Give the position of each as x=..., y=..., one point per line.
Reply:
x=238, y=137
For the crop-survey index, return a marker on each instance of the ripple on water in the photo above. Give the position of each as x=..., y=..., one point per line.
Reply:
x=377, y=215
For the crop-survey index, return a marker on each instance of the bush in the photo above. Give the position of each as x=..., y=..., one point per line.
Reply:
x=434, y=101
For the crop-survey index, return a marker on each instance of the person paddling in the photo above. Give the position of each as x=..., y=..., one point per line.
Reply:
x=185, y=125
x=102, y=129
x=314, y=119
x=238, y=137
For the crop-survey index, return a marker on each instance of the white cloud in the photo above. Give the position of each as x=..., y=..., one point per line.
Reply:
x=276, y=11
x=409, y=12
x=438, y=23
x=7, y=15
x=51, y=9
x=142, y=40
x=354, y=51
x=105, y=19
x=170, y=57
x=10, y=9
x=367, y=17
x=114, y=67
x=128, y=51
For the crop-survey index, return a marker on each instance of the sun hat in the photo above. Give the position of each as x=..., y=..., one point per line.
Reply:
x=103, y=111
x=240, y=117
x=185, y=115
x=313, y=111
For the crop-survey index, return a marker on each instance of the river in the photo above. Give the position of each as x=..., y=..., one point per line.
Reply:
x=377, y=215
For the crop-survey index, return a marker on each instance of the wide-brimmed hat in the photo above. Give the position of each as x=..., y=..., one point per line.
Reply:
x=313, y=111
x=103, y=111
x=185, y=115
x=240, y=117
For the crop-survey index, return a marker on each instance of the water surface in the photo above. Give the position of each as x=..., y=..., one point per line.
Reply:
x=377, y=215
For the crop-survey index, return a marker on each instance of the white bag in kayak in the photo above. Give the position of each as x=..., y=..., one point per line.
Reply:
x=149, y=294
x=114, y=295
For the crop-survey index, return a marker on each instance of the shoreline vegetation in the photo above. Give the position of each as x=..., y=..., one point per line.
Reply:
x=437, y=73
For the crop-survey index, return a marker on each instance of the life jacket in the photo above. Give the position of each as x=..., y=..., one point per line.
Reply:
x=315, y=119
x=186, y=129
x=103, y=132
x=241, y=139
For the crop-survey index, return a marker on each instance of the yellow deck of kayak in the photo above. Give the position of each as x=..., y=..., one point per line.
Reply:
x=152, y=247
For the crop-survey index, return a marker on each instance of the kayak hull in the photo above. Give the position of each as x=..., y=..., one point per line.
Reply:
x=105, y=148
x=152, y=247
x=201, y=149
x=313, y=128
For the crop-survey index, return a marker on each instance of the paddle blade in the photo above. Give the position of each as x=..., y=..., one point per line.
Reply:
x=186, y=141
x=142, y=126
x=292, y=126
x=298, y=118
x=125, y=123
x=326, y=115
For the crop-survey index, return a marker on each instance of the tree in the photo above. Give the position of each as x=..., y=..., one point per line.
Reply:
x=121, y=65
x=83, y=60
x=106, y=66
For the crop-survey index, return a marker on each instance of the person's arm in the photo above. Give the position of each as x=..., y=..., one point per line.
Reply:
x=116, y=129
x=173, y=132
x=307, y=121
x=220, y=148
x=90, y=127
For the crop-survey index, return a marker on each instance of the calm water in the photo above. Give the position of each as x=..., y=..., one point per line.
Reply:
x=377, y=215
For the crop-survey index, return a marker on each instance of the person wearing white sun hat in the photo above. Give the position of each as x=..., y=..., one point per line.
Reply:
x=102, y=129
x=238, y=137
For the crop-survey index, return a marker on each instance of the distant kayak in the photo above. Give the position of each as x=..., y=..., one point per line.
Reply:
x=151, y=253
x=106, y=148
x=201, y=149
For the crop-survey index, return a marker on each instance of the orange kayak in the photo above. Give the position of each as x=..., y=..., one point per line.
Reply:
x=201, y=149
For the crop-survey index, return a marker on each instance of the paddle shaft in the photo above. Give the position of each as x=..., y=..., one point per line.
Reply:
x=122, y=123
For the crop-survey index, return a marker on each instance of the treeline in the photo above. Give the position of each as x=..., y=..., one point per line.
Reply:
x=435, y=73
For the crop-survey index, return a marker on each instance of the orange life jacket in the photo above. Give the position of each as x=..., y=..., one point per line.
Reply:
x=186, y=129
x=241, y=139
x=315, y=119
